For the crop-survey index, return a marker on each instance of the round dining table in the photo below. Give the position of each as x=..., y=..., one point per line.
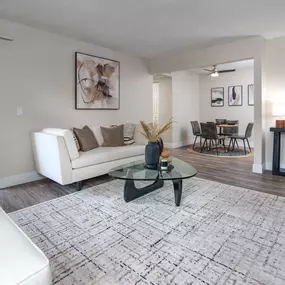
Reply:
x=220, y=126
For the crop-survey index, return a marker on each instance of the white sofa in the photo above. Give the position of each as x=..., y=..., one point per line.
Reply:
x=57, y=157
x=21, y=262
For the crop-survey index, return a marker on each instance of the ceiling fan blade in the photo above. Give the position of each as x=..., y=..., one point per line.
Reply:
x=226, y=70
x=209, y=70
x=6, y=39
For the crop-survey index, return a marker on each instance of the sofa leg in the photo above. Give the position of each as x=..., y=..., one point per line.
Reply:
x=79, y=185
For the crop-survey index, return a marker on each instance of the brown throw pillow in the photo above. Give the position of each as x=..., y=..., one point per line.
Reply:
x=113, y=136
x=86, y=138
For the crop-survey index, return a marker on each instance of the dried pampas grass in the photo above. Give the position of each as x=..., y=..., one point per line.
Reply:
x=152, y=131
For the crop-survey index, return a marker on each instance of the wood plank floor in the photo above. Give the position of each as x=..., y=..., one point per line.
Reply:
x=232, y=171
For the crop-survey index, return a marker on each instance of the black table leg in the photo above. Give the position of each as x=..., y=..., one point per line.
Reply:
x=177, y=185
x=79, y=185
x=131, y=192
x=276, y=154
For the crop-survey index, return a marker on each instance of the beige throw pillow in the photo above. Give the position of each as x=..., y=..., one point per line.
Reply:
x=86, y=138
x=113, y=136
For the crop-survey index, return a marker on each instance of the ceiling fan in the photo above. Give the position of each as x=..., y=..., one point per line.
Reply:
x=6, y=39
x=215, y=72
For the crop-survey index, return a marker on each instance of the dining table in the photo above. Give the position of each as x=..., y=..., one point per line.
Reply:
x=220, y=126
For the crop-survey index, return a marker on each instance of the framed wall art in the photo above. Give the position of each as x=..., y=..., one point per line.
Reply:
x=97, y=83
x=217, y=97
x=250, y=94
x=235, y=95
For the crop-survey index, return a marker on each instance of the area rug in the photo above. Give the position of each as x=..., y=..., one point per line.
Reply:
x=237, y=152
x=220, y=234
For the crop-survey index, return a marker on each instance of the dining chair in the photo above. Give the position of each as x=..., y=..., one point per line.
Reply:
x=209, y=133
x=196, y=132
x=245, y=137
x=221, y=121
x=229, y=131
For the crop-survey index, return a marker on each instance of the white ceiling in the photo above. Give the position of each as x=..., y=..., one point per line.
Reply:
x=148, y=28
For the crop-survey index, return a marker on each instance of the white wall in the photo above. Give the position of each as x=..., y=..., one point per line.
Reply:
x=185, y=106
x=37, y=73
x=275, y=88
x=244, y=113
x=165, y=106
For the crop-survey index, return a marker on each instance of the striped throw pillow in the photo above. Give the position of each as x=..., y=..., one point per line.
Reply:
x=75, y=140
x=129, y=131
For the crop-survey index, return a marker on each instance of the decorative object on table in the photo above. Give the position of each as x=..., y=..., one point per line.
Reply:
x=235, y=95
x=165, y=154
x=152, y=131
x=97, y=83
x=164, y=164
x=164, y=161
x=250, y=94
x=160, y=144
x=278, y=110
x=217, y=97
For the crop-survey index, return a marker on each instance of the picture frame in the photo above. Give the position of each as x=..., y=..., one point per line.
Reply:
x=97, y=82
x=235, y=95
x=250, y=95
x=217, y=97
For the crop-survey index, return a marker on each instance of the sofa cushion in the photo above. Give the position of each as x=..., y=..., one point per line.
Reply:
x=113, y=136
x=98, y=134
x=68, y=139
x=86, y=138
x=106, y=154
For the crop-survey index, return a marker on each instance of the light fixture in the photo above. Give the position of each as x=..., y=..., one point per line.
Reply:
x=215, y=74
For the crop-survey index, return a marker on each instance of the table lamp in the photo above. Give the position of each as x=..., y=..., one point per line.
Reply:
x=278, y=110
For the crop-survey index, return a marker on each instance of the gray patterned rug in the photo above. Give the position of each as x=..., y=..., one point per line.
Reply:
x=236, y=152
x=219, y=235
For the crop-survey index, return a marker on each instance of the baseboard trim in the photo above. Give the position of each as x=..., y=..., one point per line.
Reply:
x=258, y=168
x=179, y=143
x=19, y=179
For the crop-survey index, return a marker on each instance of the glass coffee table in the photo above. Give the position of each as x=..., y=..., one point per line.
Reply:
x=136, y=171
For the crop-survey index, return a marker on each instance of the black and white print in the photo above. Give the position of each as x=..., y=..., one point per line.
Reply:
x=217, y=97
x=235, y=95
x=250, y=94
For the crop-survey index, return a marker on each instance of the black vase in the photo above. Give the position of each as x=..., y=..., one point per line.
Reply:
x=152, y=155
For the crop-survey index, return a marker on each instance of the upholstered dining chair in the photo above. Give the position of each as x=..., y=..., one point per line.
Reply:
x=221, y=121
x=196, y=132
x=245, y=137
x=231, y=130
x=209, y=133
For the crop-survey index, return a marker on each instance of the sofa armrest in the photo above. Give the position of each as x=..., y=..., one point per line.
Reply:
x=51, y=157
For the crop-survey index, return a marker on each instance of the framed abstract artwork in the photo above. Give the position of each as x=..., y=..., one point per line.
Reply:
x=217, y=97
x=235, y=95
x=250, y=94
x=97, y=83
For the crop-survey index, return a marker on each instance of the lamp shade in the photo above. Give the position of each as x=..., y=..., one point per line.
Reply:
x=278, y=110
